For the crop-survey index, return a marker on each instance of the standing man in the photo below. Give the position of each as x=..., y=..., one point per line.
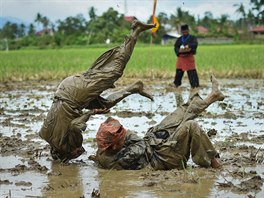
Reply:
x=185, y=48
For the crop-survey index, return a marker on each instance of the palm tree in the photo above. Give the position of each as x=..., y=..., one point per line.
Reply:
x=38, y=18
x=45, y=22
x=31, y=30
x=91, y=13
x=241, y=10
x=21, y=30
x=223, y=23
x=258, y=6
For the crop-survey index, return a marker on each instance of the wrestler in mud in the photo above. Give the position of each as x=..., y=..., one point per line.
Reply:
x=165, y=146
x=65, y=121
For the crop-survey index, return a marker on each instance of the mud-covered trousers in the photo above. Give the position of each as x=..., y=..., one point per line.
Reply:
x=170, y=143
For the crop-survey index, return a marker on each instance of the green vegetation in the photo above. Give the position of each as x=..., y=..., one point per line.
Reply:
x=112, y=26
x=223, y=60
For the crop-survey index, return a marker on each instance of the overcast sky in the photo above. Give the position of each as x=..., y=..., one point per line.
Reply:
x=26, y=10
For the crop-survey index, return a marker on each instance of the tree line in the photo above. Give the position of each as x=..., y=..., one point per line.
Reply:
x=111, y=26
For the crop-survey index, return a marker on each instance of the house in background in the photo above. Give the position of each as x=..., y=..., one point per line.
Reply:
x=258, y=32
x=202, y=30
x=129, y=18
x=45, y=32
x=170, y=36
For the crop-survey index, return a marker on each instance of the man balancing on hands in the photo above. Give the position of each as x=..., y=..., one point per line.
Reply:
x=65, y=121
x=165, y=146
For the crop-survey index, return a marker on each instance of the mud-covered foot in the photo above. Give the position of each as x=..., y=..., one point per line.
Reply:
x=179, y=99
x=139, y=26
x=215, y=163
x=216, y=93
x=138, y=87
x=93, y=158
x=193, y=92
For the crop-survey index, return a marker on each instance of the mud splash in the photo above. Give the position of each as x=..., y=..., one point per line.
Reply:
x=236, y=127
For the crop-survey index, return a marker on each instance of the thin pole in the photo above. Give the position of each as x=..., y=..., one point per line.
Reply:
x=151, y=59
x=151, y=40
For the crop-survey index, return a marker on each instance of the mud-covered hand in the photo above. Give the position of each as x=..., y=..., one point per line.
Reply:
x=101, y=111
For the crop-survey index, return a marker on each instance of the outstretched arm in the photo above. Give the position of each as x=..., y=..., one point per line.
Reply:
x=80, y=123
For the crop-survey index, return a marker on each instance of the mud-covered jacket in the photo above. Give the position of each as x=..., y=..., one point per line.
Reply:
x=156, y=148
x=132, y=156
x=138, y=152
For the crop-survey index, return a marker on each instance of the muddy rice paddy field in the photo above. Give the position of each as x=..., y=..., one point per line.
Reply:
x=236, y=126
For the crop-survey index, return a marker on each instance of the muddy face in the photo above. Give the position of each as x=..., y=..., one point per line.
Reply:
x=235, y=126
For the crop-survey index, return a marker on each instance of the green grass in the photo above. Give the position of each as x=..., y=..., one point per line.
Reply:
x=223, y=60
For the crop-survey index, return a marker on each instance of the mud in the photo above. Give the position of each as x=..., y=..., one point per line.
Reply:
x=236, y=126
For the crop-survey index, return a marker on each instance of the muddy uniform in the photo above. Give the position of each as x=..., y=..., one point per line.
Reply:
x=167, y=145
x=132, y=156
x=62, y=127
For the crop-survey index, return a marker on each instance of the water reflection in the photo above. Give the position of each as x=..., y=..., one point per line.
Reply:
x=125, y=183
x=64, y=181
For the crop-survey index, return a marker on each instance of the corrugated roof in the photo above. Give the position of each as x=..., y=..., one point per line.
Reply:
x=258, y=29
x=174, y=34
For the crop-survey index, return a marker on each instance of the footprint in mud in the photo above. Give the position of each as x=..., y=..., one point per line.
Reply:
x=23, y=183
x=5, y=182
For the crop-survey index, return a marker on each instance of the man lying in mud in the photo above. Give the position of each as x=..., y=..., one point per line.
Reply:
x=64, y=124
x=165, y=146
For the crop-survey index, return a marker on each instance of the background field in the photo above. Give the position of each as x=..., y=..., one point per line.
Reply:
x=159, y=61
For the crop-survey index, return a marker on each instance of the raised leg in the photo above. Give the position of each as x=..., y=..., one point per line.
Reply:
x=216, y=94
x=109, y=67
x=178, y=97
x=136, y=88
x=194, y=106
x=197, y=105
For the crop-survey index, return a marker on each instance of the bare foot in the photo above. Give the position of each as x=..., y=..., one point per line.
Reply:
x=139, y=26
x=216, y=94
x=138, y=87
x=215, y=163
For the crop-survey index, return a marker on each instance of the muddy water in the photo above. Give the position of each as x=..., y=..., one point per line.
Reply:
x=26, y=168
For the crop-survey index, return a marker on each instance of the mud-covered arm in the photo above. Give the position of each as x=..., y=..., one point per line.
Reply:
x=97, y=103
x=132, y=156
x=80, y=123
